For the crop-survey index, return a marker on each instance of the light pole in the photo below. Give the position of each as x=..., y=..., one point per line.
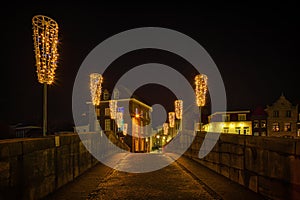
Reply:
x=200, y=91
x=45, y=38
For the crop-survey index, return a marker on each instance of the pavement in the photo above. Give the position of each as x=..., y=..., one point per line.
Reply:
x=183, y=179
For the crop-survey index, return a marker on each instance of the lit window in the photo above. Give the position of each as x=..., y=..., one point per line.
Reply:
x=107, y=125
x=255, y=124
x=225, y=129
x=287, y=126
x=275, y=113
x=256, y=134
x=246, y=130
x=275, y=127
x=263, y=133
x=107, y=112
x=263, y=123
x=242, y=117
x=288, y=113
x=238, y=130
x=226, y=118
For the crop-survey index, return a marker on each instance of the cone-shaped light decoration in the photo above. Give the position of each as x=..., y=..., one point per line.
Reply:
x=166, y=128
x=113, y=109
x=171, y=119
x=95, y=87
x=45, y=37
x=201, y=89
x=178, y=108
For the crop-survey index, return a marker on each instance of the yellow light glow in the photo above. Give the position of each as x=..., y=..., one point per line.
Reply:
x=171, y=119
x=95, y=87
x=201, y=89
x=178, y=108
x=166, y=128
x=45, y=38
x=137, y=115
x=113, y=109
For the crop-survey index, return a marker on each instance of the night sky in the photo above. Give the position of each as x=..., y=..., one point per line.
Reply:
x=255, y=47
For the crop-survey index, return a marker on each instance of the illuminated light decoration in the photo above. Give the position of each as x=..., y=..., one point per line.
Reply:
x=178, y=108
x=201, y=89
x=96, y=87
x=45, y=41
x=125, y=128
x=119, y=119
x=171, y=119
x=166, y=128
x=45, y=38
x=113, y=109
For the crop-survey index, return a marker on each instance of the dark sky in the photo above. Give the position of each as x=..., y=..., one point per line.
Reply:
x=255, y=47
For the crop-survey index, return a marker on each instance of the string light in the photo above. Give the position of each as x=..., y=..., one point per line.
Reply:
x=166, y=128
x=178, y=108
x=201, y=89
x=96, y=87
x=45, y=38
x=171, y=119
x=113, y=109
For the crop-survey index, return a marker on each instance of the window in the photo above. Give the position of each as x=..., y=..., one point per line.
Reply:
x=288, y=113
x=256, y=134
x=246, y=131
x=97, y=112
x=275, y=127
x=275, y=113
x=238, y=130
x=263, y=133
x=225, y=129
x=287, y=126
x=255, y=124
x=263, y=123
x=226, y=118
x=107, y=112
x=107, y=125
x=242, y=117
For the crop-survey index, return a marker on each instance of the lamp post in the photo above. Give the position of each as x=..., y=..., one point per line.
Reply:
x=200, y=91
x=45, y=38
x=96, y=90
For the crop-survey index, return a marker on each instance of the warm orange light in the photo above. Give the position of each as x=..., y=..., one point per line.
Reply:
x=45, y=37
x=201, y=89
x=137, y=115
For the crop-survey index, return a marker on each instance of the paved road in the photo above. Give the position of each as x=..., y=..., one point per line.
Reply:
x=183, y=179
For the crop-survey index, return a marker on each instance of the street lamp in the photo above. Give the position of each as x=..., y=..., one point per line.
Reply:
x=45, y=38
x=200, y=91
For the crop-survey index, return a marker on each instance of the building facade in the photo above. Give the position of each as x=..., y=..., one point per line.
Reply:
x=132, y=128
x=282, y=118
x=230, y=122
x=259, y=122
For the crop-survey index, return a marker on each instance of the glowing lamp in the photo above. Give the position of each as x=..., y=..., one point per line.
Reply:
x=201, y=89
x=95, y=87
x=178, y=108
x=171, y=119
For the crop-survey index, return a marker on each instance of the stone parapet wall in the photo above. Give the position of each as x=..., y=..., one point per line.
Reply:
x=267, y=165
x=32, y=168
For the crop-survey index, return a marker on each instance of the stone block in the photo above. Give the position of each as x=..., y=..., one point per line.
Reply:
x=232, y=139
x=4, y=173
x=294, y=167
x=36, y=144
x=9, y=148
x=298, y=148
x=224, y=170
x=237, y=161
x=256, y=160
x=278, y=166
x=234, y=174
x=225, y=159
x=253, y=183
x=280, y=145
x=273, y=188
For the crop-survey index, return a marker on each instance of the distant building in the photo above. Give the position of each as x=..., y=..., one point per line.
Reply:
x=231, y=122
x=113, y=121
x=259, y=122
x=282, y=118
